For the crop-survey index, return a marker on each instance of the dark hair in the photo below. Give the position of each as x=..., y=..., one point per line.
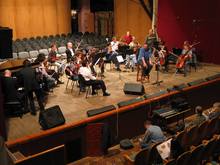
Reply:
x=84, y=63
x=52, y=45
x=148, y=122
x=41, y=57
x=26, y=63
x=198, y=110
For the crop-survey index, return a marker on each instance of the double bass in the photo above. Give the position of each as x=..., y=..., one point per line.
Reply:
x=183, y=57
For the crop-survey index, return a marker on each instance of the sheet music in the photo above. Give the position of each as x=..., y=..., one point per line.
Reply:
x=120, y=59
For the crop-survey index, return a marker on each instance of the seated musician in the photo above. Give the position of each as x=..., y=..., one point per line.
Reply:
x=186, y=57
x=50, y=76
x=94, y=59
x=131, y=60
x=72, y=69
x=90, y=79
x=53, y=59
x=10, y=88
x=114, y=53
x=163, y=55
x=153, y=134
x=144, y=59
x=127, y=38
x=69, y=51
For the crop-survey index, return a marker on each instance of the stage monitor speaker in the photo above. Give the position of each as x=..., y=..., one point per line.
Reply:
x=134, y=89
x=213, y=77
x=196, y=82
x=5, y=43
x=97, y=111
x=51, y=117
x=129, y=102
x=155, y=94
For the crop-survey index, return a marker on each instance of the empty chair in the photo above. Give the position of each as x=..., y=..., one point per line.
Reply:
x=15, y=55
x=184, y=158
x=23, y=55
x=44, y=51
x=33, y=53
x=62, y=50
x=197, y=154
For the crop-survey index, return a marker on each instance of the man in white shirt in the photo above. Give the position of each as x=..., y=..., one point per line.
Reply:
x=69, y=51
x=90, y=79
x=114, y=48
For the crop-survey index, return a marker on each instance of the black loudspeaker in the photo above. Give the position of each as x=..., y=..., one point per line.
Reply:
x=97, y=111
x=5, y=43
x=134, y=89
x=129, y=102
x=196, y=82
x=51, y=117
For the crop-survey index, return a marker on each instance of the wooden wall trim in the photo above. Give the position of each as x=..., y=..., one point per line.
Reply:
x=101, y=116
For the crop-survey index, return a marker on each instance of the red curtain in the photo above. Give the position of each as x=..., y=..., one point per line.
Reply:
x=192, y=20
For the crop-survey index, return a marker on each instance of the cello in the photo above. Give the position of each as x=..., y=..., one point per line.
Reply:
x=183, y=57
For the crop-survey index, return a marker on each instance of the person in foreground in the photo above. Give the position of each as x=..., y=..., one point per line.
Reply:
x=153, y=134
x=90, y=79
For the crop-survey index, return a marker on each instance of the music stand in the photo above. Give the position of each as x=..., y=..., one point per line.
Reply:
x=158, y=81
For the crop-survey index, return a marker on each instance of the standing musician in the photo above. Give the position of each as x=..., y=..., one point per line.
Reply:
x=151, y=38
x=185, y=58
x=144, y=58
x=113, y=51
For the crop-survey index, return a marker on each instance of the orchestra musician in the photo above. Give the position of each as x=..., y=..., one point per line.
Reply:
x=113, y=48
x=163, y=55
x=127, y=39
x=144, y=59
x=69, y=51
x=90, y=79
x=185, y=58
x=151, y=38
x=54, y=60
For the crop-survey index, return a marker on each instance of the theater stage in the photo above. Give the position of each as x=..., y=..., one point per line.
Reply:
x=74, y=106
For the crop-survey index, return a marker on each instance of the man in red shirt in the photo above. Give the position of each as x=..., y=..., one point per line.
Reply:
x=127, y=38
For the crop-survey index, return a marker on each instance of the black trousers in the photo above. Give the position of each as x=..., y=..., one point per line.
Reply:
x=97, y=84
x=30, y=99
x=146, y=70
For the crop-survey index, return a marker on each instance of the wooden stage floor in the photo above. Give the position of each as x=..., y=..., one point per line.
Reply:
x=74, y=106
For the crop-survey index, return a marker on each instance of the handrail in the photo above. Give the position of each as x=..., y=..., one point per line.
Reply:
x=100, y=116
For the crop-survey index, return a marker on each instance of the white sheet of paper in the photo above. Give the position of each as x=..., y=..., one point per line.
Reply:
x=164, y=149
x=120, y=59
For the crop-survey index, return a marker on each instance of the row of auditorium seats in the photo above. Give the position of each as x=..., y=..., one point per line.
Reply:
x=97, y=111
x=197, y=143
x=25, y=47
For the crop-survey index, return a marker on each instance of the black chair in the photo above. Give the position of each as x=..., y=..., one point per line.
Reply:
x=86, y=84
x=14, y=109
x=73, y=80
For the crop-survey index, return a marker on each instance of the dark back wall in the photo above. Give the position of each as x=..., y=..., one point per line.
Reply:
x=191, y=20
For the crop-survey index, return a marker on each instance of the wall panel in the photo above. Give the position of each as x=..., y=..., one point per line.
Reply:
x=30, y=18
x=130, y=15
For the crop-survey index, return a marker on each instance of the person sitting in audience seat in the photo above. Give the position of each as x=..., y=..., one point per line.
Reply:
x=215, y=111
x=200, y=117
x=153, y=134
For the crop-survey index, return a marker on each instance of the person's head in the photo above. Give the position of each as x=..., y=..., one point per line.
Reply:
x=216, y=106
x=69, y=45
x=84, y=63
x=147, y=123
x=53, y=47
x=151, y=31
x=41, y=57
x=198, y=110
x=145, y=46
x=114, y=38
x=7, y=73
x=128, y=33
x=186, y=45
x=133, y=38
x=26, y=63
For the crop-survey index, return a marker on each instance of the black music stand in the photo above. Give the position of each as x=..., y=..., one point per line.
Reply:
x=158, y=81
